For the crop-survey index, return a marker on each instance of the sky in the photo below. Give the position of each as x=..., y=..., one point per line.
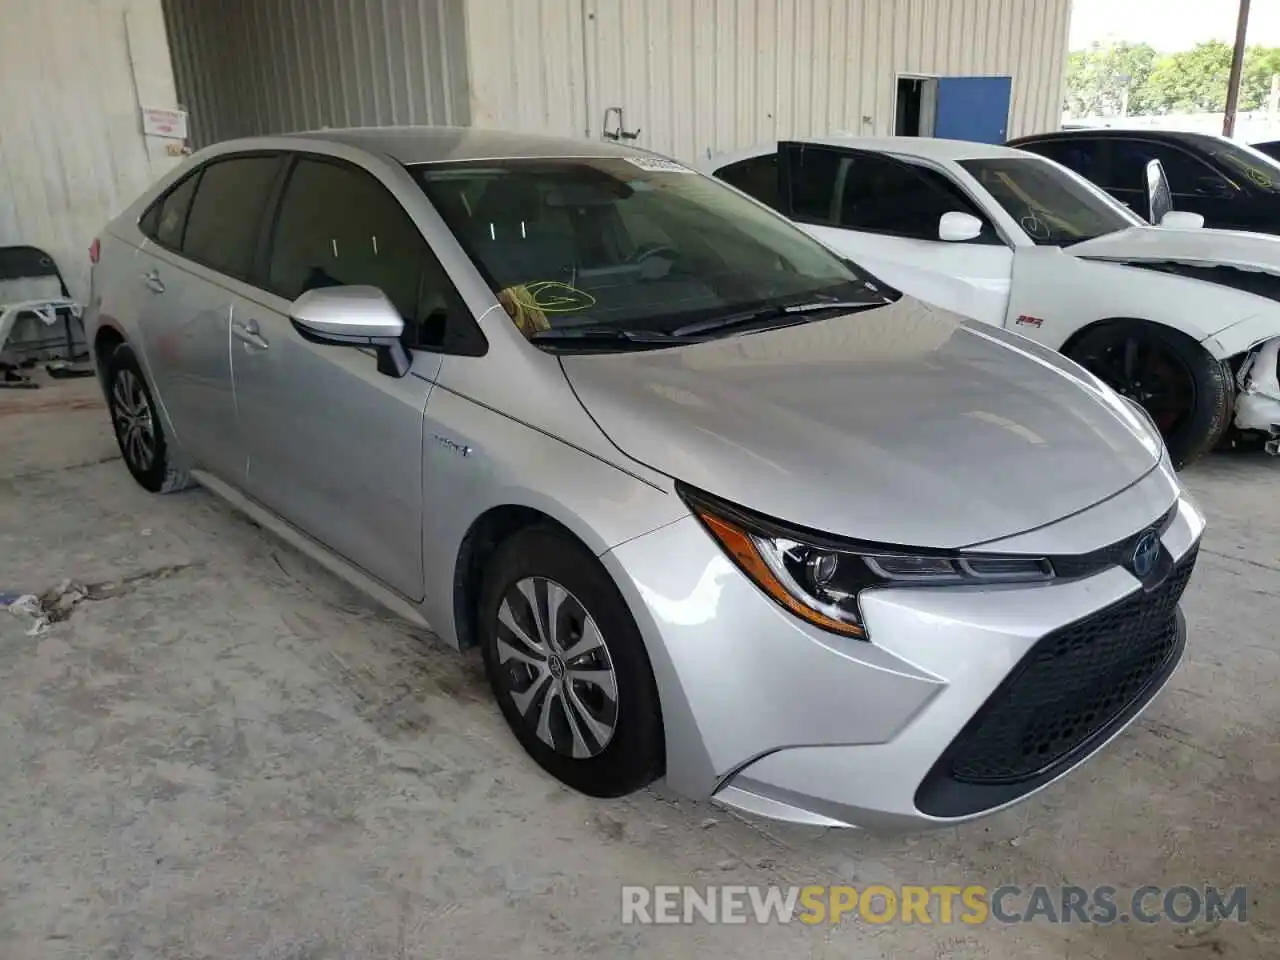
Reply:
x=1170, y=25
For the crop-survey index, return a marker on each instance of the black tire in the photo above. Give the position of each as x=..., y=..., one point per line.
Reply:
x=129, y=402
x=632, y=755
x=1189, y=393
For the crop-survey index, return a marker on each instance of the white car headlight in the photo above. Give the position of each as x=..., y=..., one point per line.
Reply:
x=819, y=579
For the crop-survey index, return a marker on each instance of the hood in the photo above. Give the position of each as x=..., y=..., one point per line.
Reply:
x=1248, y=251
x=901, y=425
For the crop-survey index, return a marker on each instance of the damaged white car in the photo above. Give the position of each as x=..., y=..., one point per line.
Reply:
x=1184, y=320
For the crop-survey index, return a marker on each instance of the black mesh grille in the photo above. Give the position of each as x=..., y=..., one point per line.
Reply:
x=1070, y=687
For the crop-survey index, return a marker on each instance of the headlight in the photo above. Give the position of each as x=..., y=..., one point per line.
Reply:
x=819, y=579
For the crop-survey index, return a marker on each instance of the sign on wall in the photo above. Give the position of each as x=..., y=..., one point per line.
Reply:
x=164, y=122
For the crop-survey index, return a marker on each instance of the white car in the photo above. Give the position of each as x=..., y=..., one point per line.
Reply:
x=1182, y=319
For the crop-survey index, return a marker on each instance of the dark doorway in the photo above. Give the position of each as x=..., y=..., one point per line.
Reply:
x=907, y=123
x=915, y=107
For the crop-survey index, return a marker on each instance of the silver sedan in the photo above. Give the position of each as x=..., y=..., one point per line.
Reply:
x=715, y=503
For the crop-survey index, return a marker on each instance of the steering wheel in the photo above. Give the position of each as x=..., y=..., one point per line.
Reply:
x=650, y=250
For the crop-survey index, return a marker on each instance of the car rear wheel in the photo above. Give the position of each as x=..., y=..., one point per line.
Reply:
x=568, y=666
x=136, y=421
x=1188, y=392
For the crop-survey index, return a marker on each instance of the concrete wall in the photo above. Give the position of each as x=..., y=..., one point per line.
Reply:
x=72, y=152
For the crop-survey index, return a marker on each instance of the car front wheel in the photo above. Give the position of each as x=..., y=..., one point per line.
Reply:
x=1187, y=391
x=568, y=666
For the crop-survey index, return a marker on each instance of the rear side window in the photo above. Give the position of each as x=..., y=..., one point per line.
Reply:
x=338, y=226
x=1078, y=155
x=166, y=221
x=756, y=177
x=226, y=215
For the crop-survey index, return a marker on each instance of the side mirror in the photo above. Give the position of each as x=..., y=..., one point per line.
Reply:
x=957, y=227
x=354, y=316
x=1182, y=220
x=1159, y=196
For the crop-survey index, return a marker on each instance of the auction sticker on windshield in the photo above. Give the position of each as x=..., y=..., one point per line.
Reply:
x=658, y=165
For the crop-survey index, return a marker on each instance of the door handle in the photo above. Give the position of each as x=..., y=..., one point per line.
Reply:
x=153, y=282
x=248, y=334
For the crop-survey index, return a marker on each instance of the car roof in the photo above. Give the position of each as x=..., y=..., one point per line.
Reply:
x=411, y=145
x=925, y=148
x=1185, y=137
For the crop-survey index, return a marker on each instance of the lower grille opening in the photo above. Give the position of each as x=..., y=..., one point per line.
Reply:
x=1071, y=690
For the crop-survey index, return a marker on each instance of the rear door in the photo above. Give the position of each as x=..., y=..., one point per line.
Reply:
x=203, y=235
x=884, y=213
x=335, y=447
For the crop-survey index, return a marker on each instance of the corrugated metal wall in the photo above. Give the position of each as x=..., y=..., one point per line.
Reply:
x=271, y=66
x=72, y=153
x=713, y=75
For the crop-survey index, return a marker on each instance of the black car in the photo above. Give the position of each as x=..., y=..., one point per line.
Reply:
x=1270, y=147
x=1233, y=186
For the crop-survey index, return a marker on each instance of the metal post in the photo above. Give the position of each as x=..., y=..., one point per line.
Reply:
x=1237, y=67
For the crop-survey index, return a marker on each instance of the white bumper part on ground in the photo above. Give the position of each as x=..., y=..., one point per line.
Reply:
x=1258, y=397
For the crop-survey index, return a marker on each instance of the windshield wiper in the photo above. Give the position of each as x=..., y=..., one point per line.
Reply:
x=784, y=312
x=602, y=333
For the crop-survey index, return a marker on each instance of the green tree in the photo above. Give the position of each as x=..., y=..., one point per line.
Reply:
x=1098, y=79
x=1191, y=81
x=1260, y=65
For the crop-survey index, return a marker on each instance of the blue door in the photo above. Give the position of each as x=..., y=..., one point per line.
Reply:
x=973, y=108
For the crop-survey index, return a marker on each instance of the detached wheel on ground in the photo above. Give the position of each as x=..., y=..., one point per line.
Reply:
x=136, y=421
x=1188, y=392
x=568, y=666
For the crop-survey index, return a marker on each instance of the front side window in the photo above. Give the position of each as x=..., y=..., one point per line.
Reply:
x=635, y=243
x=872, y=193
x=339, y=226
x=880, y=195
x=226, y=215
x=1053, y=207
x=1187, y=175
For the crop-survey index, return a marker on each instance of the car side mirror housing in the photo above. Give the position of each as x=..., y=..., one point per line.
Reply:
x=1159, y=196
x=354, y=316
x=957, y=227
x=1182, y=220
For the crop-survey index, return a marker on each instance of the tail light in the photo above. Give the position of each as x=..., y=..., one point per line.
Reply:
x=95, y=249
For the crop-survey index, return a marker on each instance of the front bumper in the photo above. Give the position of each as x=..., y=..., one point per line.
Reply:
x=768, y=715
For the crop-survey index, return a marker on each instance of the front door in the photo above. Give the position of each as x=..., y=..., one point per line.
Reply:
x=335, y=447
x=885, y=213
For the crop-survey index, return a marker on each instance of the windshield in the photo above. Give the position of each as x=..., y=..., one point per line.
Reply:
x=1054, y=206
x=634, y=243
x=1262, y=172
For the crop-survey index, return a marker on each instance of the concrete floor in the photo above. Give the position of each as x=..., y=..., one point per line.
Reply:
x=228, y=754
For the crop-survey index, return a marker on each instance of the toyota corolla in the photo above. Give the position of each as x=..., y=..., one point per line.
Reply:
x=715, y=504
